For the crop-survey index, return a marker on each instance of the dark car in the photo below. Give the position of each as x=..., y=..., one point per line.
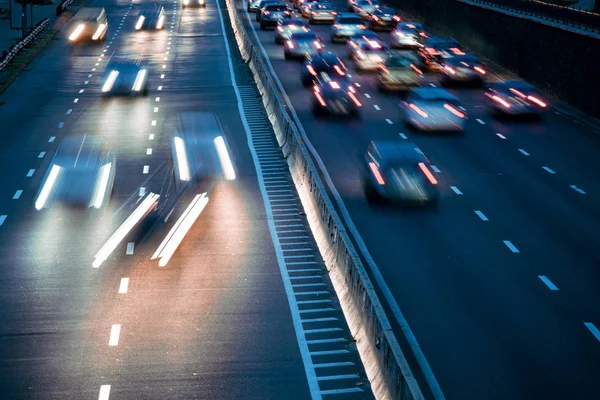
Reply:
x=81, y=174
x=436, y=49
x=151, y=17
x=515, y=98
x=333, y=95
x=261, y=7
x=286, y=27
x=328, y=63
x=382, y=19
x=272, y=14
x=466, y=69
x=125, y=78
x=399, y=172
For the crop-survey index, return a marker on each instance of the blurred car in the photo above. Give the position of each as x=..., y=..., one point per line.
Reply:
x=399, y=72
x=433, y=109
x=346, y=25
x=90, y=24
x=253, y=5
x=334, y=96
x=515, y=98
x=302, y=44
x=382, y=18
x=152, y=16
x=81, y=174
x=299, y=3
x=355, y=41
x=193, y=3
x=462, y=69
x=287, y=26
x=307, y=6
x=261, y=7
x=328, y=63
x=368, y=56
x=399, y=172
x=436, y=49
x=407, y=35
x=363, y=7
x=125, y=78
x=351, y=4
x=272, y=14
x=322, y=13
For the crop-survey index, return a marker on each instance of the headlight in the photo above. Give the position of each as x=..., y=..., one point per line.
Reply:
x=140, y=22
x=161, y=22
x=201, y=2
x=99, y=32
x=76, y=32
x=101, y=186
x=110, y=81
x=140, y=79
x=186, y=2
x=47, y=188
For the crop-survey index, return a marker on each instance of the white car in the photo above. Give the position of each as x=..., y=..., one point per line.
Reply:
x=433, y=109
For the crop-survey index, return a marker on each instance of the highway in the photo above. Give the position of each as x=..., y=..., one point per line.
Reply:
x=243, y=310
x=500, y=283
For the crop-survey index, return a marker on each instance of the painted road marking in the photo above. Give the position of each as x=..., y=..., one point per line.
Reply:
x=155, y=109
x=153, y=122
x=142, y=191
x=432, y=84
x=115, y=331
x=481, y=215
x=157, y=99
x=389, y=121
x=548, y=170
x=456, y=190
x=86, y=82
x=403, y=136
x=367, y=95
x=575, y=188
x=69, y=111
x=130, y=247
x=376, y=107
x=30, y=173
x=76, y=100
x=104, y=392
x=501, y=136
x=548, y=282
x=436, y=169
x=357, y=84
x=480, y=121
x=18, y=194
x=51, y=139
x=124, y=285
x=42, y=154
x=149, y=151
x=511, y=246
x=2, y=219
x=146, y=169
x=61, y=124
x=593, y=329
x=162, y=76
x=523, y=152
x=159, y=88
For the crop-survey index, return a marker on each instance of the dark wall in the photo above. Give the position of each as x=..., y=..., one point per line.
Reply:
x=562, y=63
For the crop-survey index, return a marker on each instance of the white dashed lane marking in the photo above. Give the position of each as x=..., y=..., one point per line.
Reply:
x=130, y=248
x=389, y=121
x=2, y=219
x=403, y=136
x=104, y=392
x=578, y=190
x=61, y=124
x=151, y=137
x=75, y=100
x=17, y=194
x=593, y=329
x=481, y=215
x=30, y=173
x=511, y=246
x=42, y=154
x=524, y=152
x=435, y=168
x=501, y=136
x=153, y=123
x=149, y=151
x=548, y=282
x=548, y=170
x=480, y=121
x=367, y=95
x=376, y=107
x=69, y=111
x=51, y=139
x=456, y=190
x=124, y=285
x=146, y=169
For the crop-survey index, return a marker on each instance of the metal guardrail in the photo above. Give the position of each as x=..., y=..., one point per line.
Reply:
x=390, y=377
x=585, y=20
x=62, y=7
x=14, y=50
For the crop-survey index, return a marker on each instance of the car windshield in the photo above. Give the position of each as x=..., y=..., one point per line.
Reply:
x=405, y=176
x=304, y=36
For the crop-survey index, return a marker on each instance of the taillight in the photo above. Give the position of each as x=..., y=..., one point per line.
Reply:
x=266, y=13
x=354, y=99
x=432, y=51
x=361, y=27
x=501, y=101
x=339, y=70
x=318, y=44
x=289, y=44
x=428, y=173
x=280, y=29
x=417, y=70
x=454, y=111
x=537, y=101
x=311, y=70
x=361, y=55
x=375, y=17
x=480, y=70
x=321, y=101
x=337, y=26
x=419, y=111
x=457, y=51
x=396, y=18
x=515, y=91
x=376, y=173
x=334, y=85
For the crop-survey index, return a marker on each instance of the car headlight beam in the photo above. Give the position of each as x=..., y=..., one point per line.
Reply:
x=76, y=32
x=161, y=22
x=101, y=185
x=140, y=79
x=47, y=188
x=224, y=158
x=182, y=160
x=110, y=81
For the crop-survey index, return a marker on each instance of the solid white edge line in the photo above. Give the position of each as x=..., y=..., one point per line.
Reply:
x=548, y=282
x=104, y=392
x=480, y=121
x=309, y=368
x=592, y=328
x=524, y=152
x=434, y=385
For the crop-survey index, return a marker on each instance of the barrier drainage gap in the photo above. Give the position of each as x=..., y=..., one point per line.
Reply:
x=334, y=356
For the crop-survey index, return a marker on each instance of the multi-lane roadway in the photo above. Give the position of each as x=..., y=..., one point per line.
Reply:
x=500, y=284
x=243, y=310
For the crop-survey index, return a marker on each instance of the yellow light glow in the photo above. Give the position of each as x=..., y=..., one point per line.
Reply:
x=140, y=79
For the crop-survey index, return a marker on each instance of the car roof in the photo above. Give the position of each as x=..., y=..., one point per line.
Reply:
x=391, y=152
x=410, y=25
x=303, y=35
x=431, y=93
x=293, y=21
x=369, y=34
x=347, y=15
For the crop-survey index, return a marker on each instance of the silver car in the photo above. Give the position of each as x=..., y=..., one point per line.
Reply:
x=369, y=56
x=81, y=174
x=407, y=34
x=322, y=13
x=301, y=44
x=433, y=109
x=466, y=69
x=515, y=98
x=346, y=25
x=286, y=27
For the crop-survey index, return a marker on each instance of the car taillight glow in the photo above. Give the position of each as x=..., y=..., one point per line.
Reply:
x=537, y=101
x=140, y=79
x=374, y=44
x=351, y=89
x=76, y=32
x=428, y=173
x=318, y=44
x=501, y=101
x=337, y=26
x=99, y=32
x=140, y=23
x=339, y=70
x=361, y=55
x=376, y=173
x=422, y=113
x=480, y=70
x=266, y=13
x=399, y=34
x=417, y=70
x=361, y=27
x=457, y=51
x=110, y=81
x=396, y=18
x=518, y=93
x=280, y=29
x=321, y=101
x=289, y=44
x=354, y=99
x=432, y=51
x=450, y=69
x=311, y=70
x=454, y=111
x=161, y=22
